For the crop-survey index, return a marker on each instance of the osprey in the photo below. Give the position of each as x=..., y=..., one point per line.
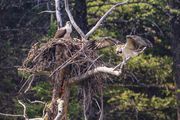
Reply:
x=134, y=46
x=64, y=32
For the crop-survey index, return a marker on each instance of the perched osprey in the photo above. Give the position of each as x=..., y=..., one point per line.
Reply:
x=64, y=32
x=134, y=46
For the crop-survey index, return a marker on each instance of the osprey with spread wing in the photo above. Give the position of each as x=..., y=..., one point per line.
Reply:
x=102, y=43
x=134, y=46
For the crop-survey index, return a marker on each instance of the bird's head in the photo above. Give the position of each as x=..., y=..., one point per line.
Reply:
x=68, y=24
x=133, y=37
x=129, y=36
x=141, y=41
x=119, y=49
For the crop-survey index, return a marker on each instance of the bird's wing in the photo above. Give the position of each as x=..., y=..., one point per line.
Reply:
x=148, y=43
x=134, y=42
x=141, y=41
x=60, y=33
x=102, y=43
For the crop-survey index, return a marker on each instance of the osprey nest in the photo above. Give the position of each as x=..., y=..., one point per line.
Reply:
x=60, y=57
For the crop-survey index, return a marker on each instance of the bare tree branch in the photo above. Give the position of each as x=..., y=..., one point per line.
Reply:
x=102, y=106
x=36, y=73
x=103, y=17
x=30, y=83
x=121, y=4
x=89, y=73
x=81, y=33
x=100, y=110
x=36, y=101
x=58, y=13
x=11, y=115
x=47, y=11
x=27, y=81
x=24, y=111
x=84, y=105
x=85, y=37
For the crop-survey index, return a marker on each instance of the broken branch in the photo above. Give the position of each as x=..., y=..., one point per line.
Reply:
x=89, y=73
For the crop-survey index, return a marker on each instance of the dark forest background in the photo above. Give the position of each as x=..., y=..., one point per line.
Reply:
x=147, y=88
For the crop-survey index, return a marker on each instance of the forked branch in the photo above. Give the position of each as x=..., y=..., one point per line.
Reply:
x=103, y=17
x=83, y=36
x=24, y=113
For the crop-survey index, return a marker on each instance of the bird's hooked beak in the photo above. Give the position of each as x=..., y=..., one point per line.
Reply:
x=68, y=23
x=129, y=36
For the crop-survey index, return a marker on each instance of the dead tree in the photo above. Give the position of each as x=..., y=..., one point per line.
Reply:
x=72, y=62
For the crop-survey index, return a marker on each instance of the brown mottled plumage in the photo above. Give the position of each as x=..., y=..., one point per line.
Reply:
x=133, y=46
x=102, y=43
x=64, y=32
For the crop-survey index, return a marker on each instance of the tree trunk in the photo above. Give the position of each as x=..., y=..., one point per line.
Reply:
x=60, y=87
x=175, y=26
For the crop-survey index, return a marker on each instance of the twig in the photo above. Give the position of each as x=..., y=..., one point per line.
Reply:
x=30, y=83
x=27, y=70
x=47, y=11
x=102, y=105
x=97, y=104
x=37, y=101
x=84, y=104
x=66, y=62
x=45, y=113
x=94, y=62
x=26, y=82
x=44, y=109
x=24, y=111
x=11, y=115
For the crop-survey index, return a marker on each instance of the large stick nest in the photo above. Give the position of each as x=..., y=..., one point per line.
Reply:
x=75, y=57
x=58, y=54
